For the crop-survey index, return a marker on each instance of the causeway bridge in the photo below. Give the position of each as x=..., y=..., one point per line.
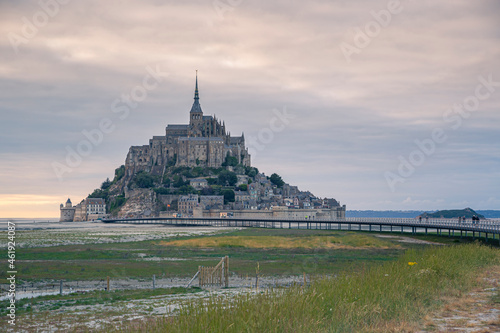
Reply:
x=488, y=229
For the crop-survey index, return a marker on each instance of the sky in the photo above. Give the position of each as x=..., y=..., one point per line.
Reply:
x=383, y=105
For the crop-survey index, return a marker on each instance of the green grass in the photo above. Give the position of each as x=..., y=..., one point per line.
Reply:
x=379, y=298
x=121, y=260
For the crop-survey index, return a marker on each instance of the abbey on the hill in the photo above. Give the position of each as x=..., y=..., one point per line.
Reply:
x=199, y=170
x=203, y=142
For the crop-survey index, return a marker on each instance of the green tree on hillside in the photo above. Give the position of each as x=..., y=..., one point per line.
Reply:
x=179, y=182
x=228, y=195
x=276, y=180
x=230, y=161
x=227, y=178
x=186, y=189
x=251, y=172
x=106, y=184
x=116, y=203
x=119, y=173
x=144, y=180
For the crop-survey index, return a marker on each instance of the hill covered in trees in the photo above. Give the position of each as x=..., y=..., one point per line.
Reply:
x=453, y=214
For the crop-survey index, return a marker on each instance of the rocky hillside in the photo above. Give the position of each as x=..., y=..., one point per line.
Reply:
x=147, y=194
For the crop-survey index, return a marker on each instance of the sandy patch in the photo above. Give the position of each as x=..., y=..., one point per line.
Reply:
x=403, y=239
x=43, y=234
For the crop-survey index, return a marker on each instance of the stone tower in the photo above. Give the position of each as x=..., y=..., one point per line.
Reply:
x=67, y=212
x=196, y=114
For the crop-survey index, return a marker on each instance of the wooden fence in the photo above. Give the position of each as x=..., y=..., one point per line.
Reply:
x=215, y=276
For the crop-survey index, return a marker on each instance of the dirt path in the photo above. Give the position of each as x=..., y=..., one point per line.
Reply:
x=477, y=311
x=404, y=239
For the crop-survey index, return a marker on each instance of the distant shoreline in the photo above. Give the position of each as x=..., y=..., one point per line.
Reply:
x=36, y=220
x=488, y=213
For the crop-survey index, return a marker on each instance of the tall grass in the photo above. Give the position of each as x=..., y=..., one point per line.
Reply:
x=378, y=298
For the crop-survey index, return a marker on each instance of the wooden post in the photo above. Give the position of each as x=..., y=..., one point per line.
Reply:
x=154, y=280
x=108, y=284
x=257, y=277
x=60, y=287
x=226, y=272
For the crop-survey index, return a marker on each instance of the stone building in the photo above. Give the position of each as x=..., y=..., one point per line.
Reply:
x=282, y=212
x=67, y=212
x=95, y=208
x=211, y=201
x=242, y=196
x=187, y=204
x=87, y=210
x=203, y=142
x=198, y=183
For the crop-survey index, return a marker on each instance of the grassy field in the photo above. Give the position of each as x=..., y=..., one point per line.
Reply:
x=357, y=259
x=338, y=241
x=393, y=297
x=279, y=252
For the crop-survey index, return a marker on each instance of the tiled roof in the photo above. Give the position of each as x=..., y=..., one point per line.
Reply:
x=95, y=201
x=177, y=126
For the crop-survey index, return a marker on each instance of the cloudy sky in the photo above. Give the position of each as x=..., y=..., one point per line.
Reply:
x=380, y=104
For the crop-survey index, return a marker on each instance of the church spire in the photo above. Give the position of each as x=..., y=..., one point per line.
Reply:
x=196, y=95
x=196, y=108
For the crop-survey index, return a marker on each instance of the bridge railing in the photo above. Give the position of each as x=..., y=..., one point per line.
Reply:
x=455, y=224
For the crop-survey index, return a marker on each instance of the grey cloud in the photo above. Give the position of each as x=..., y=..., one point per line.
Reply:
x=353, y=119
